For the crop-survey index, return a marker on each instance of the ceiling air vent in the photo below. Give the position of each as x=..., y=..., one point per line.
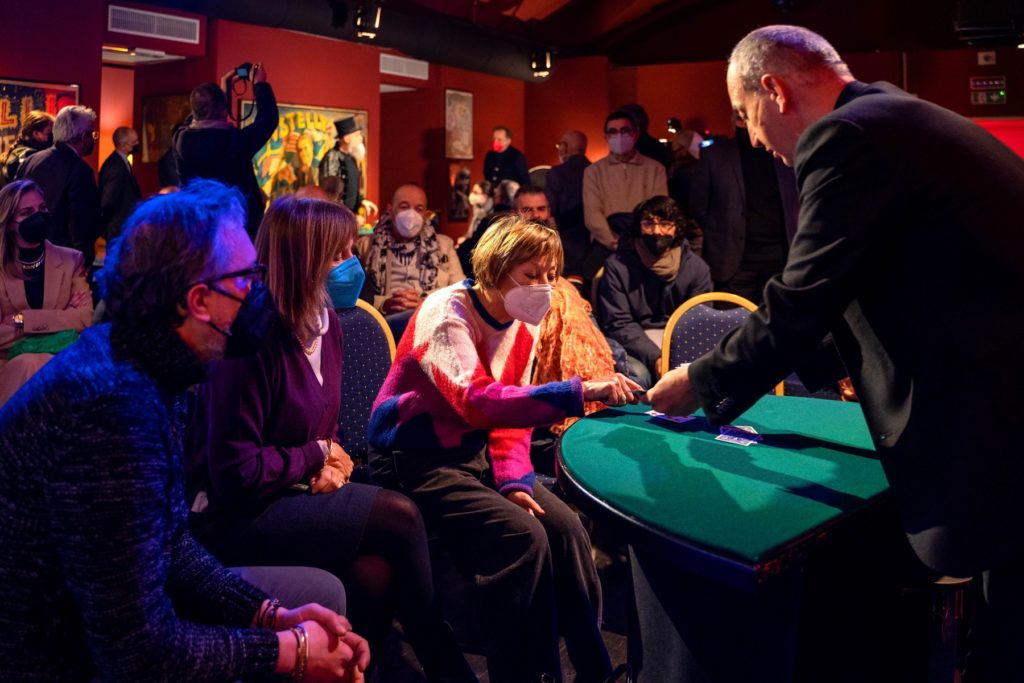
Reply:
x=139, y=22
x=403, y=66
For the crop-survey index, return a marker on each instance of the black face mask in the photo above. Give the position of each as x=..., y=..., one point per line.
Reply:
x=35, y=228
x=136, y=151
x=253, y=322
x=658, y=244
x=87, y=145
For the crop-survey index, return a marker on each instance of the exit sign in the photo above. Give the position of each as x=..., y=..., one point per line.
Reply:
x=988, y=97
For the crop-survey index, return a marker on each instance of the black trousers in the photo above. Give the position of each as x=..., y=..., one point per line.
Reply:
x=536, y=574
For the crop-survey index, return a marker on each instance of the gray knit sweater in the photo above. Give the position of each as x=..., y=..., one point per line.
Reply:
x=98, y=572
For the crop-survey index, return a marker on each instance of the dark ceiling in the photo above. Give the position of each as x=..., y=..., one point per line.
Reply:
x=635, y=32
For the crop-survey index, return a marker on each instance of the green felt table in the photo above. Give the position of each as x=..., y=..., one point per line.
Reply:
x=732, y=510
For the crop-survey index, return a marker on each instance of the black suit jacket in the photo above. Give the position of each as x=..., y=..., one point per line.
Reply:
x=718, y=203
x=69, y=187
x=910, y=252
x=119, y=194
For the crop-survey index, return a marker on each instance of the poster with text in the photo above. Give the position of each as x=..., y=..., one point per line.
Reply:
x=291, y=158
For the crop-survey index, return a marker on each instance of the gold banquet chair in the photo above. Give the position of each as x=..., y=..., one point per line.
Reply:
x=696, y=327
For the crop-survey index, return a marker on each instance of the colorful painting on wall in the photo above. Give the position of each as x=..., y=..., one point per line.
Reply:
x=458, y=124
x=17, y=98
x=291, y=157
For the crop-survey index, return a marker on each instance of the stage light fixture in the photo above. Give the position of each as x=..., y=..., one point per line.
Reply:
x=540, y=63
x=368, y=20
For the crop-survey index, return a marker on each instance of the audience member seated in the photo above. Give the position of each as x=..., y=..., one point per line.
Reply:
x=564, y=188
x=36, y=134
x=99, y=575
x=652, y=273
x=268, y=478
x=405, y=258
x=210, y=146
x=451, y=428
x=613, y=187
x=482, y=203
x=68, y=182
x=44, y=297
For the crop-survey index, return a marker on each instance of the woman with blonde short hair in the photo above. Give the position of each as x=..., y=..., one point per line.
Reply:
x=451, y=429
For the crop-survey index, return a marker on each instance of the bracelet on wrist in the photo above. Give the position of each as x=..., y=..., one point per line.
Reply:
x=301, y=653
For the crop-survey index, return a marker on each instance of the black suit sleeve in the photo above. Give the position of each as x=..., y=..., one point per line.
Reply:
x=522, y=171
x=700, y=191
x=256, y=135
x=111, y=188
x=84, y=211
x=849, y=191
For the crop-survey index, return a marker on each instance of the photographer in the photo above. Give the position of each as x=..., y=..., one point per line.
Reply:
x=210, y=146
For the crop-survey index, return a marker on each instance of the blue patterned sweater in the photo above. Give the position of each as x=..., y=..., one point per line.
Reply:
x=99, y=575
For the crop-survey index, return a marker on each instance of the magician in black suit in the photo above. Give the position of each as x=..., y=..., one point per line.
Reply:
x=119, y=191
x=909, y=251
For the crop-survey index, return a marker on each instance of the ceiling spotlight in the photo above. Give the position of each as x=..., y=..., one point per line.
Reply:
x=540, y=63
x=368, y=19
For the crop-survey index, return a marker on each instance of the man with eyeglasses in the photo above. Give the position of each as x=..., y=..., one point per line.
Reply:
x=68, y=182
x=99, y=572
x=613, y=186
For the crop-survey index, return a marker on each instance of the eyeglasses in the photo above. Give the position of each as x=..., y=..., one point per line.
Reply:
x=625, y=130
x=95, y=135
x=651, y=224
x=242, y=278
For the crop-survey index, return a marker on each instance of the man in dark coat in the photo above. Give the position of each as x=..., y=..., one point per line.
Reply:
x=909, y=252
x=119, y=191
x=503, y=161
x=564, y=187
x=342, y=161
x=68, y=183
x=211, y=147
x=745, y=201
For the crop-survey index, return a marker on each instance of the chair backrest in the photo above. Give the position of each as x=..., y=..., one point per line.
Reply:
x=696, y=327
x=368, y=351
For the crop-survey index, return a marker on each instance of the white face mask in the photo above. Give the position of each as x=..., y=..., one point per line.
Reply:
x=529, y=303
x=621, y=144
x=408, y=223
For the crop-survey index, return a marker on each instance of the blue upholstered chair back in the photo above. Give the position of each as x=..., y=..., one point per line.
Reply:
x=696, y=327
x=367, y=353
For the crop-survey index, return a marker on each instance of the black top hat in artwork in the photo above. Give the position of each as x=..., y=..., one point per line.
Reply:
x=346, y=126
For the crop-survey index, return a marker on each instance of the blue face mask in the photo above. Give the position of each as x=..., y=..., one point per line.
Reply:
x=345, y=282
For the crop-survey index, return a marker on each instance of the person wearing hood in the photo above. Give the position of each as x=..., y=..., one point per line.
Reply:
x=210, y=146
x=36, y=134
x=405, y=258
x=653, y=272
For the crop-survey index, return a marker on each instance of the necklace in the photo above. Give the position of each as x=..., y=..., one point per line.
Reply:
x=33, y=264
x=311, y=349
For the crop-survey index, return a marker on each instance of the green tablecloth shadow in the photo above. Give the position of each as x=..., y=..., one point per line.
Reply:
x=816, y=463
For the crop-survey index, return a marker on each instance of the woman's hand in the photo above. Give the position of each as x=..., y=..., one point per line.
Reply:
x=526, y=501
x=338, y=458
x=79, y=298
x=617, y=390
x=328, y=479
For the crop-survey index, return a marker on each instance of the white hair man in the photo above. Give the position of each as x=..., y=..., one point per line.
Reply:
x=907, y=248
x=68, y=182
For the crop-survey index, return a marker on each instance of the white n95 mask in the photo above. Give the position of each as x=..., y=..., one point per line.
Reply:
x=408, y=223
x=529, y=303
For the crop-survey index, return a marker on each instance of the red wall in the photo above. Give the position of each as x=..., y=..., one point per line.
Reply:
x=116, y=106
x=413, y=147
x=43, y=42
x=574, y=98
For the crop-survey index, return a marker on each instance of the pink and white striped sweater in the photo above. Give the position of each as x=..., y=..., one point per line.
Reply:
x=459, y=381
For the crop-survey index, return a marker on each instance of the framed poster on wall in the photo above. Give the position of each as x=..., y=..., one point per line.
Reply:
x=17, y=98
x=458, y=124
x=291, y=157
x=160, y=114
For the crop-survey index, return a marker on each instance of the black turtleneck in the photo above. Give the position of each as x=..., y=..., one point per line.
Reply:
x=34, y=277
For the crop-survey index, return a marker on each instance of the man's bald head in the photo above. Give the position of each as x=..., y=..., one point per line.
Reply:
x=575, y=142
x=785, y=51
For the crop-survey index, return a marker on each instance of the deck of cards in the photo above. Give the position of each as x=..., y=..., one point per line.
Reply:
x=739, y=435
